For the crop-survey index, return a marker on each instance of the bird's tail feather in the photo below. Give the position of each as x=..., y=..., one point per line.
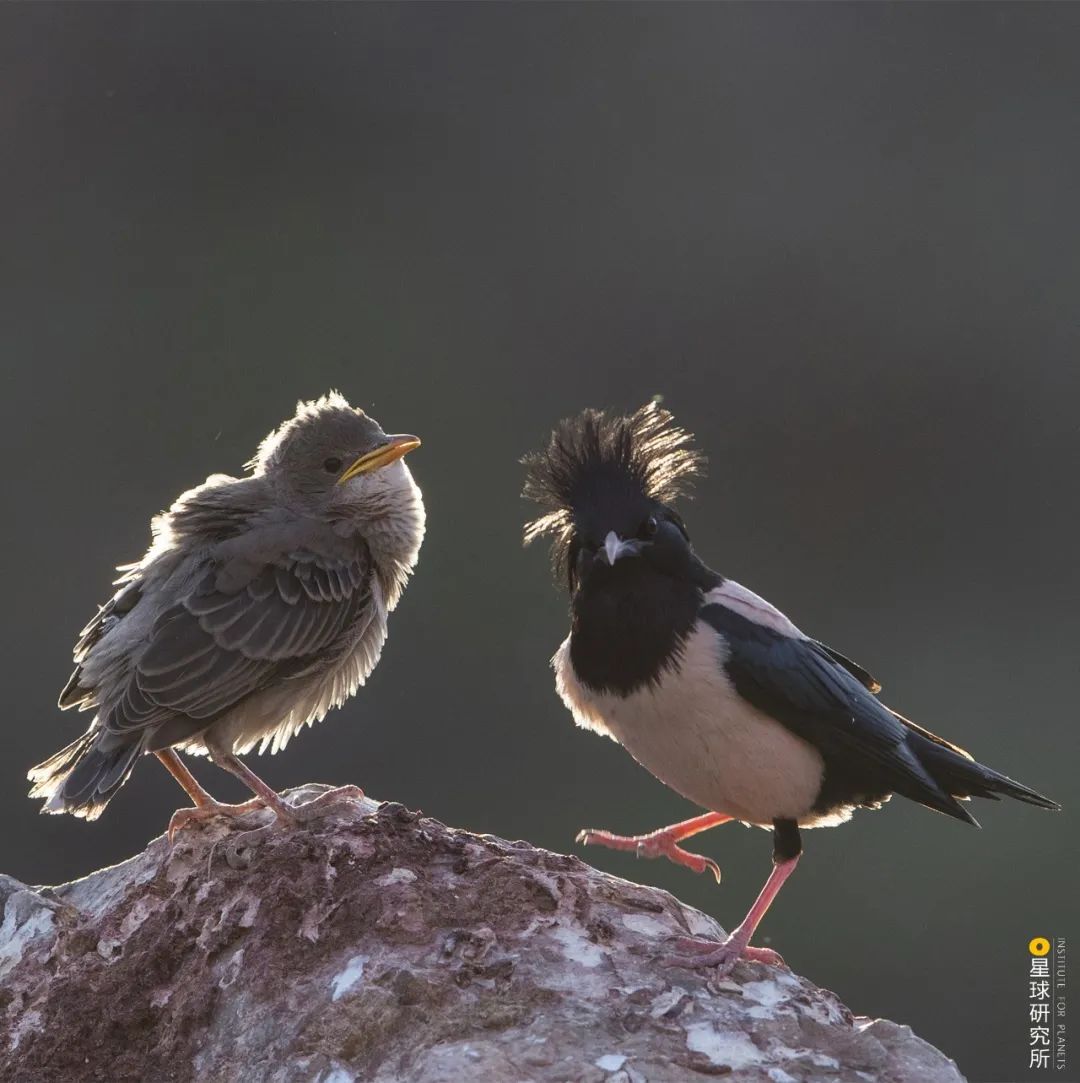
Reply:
x=962, y=776
x=81, y=778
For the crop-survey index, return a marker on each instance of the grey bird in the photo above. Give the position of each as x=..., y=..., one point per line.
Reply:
x=261, y=603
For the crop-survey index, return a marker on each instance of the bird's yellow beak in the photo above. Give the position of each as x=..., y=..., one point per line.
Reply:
x=383, y=455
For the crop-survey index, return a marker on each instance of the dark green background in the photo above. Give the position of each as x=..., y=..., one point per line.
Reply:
x=840, y=240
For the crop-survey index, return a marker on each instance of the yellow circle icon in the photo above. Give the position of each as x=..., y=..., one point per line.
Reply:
x=1039, y=946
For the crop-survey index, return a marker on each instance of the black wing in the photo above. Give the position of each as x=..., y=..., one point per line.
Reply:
x=219, y=645
x=826, y=699
x=861, y=675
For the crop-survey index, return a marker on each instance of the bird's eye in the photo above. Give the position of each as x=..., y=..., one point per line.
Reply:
x=650, y=527
x=332, y=465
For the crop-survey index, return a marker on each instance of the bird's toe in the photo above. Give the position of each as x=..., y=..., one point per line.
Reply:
x=658, y=844
x=691, y=953
x=694, y=862
x=183, y=817
x=337, y=798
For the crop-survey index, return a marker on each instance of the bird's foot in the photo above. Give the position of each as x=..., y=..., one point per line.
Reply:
x=184, y=816
x=239, y=850
x=655, y=844
x=325, y=802
x=286, y=815
x=693, y=954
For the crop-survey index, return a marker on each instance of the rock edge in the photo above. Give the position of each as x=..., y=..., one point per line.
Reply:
x=380, y=945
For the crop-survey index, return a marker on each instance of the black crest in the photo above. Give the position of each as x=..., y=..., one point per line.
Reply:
x=643, y=456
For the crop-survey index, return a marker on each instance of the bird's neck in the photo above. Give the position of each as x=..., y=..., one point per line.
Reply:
x=394, y=532
x=629, y=626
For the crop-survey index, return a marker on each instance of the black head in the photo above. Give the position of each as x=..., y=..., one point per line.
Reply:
x=607, y=483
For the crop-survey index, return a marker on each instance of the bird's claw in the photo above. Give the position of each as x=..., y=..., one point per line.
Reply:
x=339, y=795
x=286, y=815
x=700, y=954
x=181, y=818
x=658, y=844
x=694, y=862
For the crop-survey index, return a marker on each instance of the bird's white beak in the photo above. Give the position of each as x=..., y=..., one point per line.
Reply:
x=615, y=547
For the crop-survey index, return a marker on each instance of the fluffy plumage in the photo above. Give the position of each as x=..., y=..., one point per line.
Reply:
x=260, y=604
x=596, y=462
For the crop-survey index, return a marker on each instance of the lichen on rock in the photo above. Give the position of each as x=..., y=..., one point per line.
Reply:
x=380, y=945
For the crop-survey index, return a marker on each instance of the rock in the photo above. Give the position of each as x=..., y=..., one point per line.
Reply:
x=380, y=945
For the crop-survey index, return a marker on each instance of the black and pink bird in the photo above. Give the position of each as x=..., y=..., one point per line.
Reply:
x=705, y=684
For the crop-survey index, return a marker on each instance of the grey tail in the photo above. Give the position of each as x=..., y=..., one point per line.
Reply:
x=82, y=778
x=961, y=776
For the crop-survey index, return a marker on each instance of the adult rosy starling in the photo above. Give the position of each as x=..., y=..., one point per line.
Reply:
x=261, y=603
x=704, y=683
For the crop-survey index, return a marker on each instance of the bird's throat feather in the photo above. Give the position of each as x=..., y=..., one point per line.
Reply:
x=629, y=626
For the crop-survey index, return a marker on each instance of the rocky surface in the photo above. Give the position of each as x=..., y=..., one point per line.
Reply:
x=380, y=945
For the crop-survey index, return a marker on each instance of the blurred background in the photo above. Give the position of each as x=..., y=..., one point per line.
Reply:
x=841, y=241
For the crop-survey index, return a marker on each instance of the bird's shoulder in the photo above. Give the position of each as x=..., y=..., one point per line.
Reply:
x=755, y=627
x=221, y=507
x=199, y=520
x=751, y=607
x=296, y=545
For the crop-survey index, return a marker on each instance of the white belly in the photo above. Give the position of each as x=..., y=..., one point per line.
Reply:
x=698, y=736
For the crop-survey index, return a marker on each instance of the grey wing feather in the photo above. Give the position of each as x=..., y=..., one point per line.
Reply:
x=218, y=646
x=75, y=693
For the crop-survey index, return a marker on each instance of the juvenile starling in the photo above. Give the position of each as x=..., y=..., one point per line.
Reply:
x=261, y=603
x=704, y=683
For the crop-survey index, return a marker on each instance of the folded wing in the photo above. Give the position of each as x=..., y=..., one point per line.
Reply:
x=828, y=700
x=217, y=646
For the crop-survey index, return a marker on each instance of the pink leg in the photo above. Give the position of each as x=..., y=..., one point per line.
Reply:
x=178, y=769
x=205, y=805
x=287, y=815
x=662, y=843
x=207, y=808
x=266, y=794
x=724, y=956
